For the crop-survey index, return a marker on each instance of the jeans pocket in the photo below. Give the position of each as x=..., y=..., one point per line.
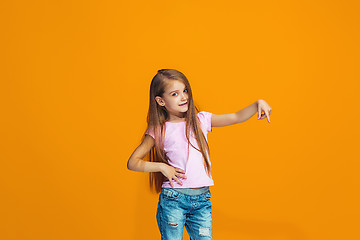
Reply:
x=207, y=195
x=170, y=193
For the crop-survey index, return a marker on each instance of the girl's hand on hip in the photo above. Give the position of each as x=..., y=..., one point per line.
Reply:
x=264, y=107
x=173, y=173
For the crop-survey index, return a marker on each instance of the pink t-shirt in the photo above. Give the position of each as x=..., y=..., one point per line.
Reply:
x=176, y=146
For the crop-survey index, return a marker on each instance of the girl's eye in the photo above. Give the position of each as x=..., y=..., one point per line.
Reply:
x=176, y=93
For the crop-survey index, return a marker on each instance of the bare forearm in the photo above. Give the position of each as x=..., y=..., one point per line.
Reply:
x=246, y=113
x=139, y=165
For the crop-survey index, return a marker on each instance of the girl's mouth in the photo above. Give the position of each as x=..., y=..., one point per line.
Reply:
x=182, y=105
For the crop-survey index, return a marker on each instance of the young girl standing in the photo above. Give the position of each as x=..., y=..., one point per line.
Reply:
x=179, y=166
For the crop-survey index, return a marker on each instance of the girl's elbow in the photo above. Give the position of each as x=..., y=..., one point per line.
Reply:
x=130, y=165
x=133, y=164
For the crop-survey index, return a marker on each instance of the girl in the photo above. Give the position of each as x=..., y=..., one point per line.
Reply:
x=179, y=166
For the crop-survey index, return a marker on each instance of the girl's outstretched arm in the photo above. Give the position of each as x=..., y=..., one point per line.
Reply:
x=242, y=115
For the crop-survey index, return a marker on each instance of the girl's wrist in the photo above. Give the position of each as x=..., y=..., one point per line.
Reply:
x=161, y=167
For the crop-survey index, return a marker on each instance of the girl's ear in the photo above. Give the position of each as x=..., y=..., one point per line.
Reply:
x=160, y=101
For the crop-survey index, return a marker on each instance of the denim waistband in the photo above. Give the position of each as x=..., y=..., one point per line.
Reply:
x=191, y=191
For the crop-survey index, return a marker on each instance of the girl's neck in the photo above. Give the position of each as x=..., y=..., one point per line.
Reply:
x=176, y=119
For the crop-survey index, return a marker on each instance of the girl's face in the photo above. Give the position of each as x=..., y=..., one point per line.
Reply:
x=175, y=98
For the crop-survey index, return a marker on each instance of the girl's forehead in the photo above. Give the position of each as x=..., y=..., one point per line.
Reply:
x=174, y=85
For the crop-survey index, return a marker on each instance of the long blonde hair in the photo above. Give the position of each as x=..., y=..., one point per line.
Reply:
x=157, y=116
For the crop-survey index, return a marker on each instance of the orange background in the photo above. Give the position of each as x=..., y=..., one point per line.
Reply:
x=75, y=78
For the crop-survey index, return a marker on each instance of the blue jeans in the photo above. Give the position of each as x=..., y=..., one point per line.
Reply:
x=176, y=210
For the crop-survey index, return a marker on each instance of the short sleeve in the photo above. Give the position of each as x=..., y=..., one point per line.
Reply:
x=150, y=132
x=205, y=119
